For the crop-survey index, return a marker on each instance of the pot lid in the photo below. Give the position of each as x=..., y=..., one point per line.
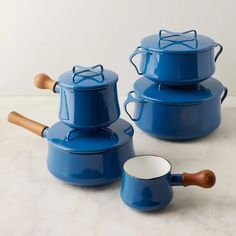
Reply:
x=94, y=77
x=101, y=140
x=178, y=43
x=178, y=95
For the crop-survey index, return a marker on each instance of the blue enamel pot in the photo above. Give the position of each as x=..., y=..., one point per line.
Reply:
x=176, y=113
x=147, y=182
x=177, y=58
x=88, y=96
x=82, y=158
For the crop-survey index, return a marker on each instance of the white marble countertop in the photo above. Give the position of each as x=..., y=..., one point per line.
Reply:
x=33, y=202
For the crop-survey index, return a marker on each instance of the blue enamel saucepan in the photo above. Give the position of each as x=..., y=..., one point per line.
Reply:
x=83, y=158
x=147, y=182
x=177, y=113
x=88, y=96
x=177, y=58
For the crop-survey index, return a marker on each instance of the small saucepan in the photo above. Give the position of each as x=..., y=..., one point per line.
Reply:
x=83, y=158
x=147, y=182
x=88, y=96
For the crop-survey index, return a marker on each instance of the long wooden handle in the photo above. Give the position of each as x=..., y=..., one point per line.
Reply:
x=204, y=179
x=31, y=125
x=43, y=81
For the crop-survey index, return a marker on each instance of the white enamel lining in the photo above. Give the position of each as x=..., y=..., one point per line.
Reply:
x=147, y=167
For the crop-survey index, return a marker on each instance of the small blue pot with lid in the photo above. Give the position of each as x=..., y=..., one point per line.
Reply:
x=174, y=58
x=84, y=158
x=177, y=113
x=88, y=96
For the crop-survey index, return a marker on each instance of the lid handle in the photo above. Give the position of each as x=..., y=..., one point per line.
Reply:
x=73, y=134
x=169, y=34
x=79, y=70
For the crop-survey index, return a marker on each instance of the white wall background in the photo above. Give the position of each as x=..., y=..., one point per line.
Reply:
x=52, y=35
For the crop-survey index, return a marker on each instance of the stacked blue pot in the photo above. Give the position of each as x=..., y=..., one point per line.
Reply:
x=89, y=127
x=176, y=98
x=90, y=143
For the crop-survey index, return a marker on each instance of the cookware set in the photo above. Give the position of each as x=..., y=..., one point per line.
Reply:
x=175, y=99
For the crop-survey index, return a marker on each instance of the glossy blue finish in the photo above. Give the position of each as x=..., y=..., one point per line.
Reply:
x=190, y=94
x=149, y=194
x=89, y=159
x=77, y=141
x=176, y=58
x=88, y=97
x=89, y=169
x=170, y=113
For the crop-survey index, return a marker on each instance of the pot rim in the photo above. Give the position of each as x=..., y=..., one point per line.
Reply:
x=92, y=152
x=153, y=178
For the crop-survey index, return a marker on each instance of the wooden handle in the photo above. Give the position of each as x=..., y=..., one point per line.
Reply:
x=43, y=81
x=31, y=125
x=204, y=179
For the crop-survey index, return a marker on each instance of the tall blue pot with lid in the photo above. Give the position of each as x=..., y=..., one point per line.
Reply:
x=174, y=58
x=88, y=96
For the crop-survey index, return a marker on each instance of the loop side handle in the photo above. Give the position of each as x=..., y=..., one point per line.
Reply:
x=136, y=52
x=219, y=52
x=225, y=93
x=31, y=125
x=204, y=179
x=130, y=99
x=43, y=81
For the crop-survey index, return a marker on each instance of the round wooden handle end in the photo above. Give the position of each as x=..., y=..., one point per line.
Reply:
x=204, y=179
x=43, y=81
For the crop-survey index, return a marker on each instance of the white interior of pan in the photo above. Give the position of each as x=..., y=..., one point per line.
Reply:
x=147, y=167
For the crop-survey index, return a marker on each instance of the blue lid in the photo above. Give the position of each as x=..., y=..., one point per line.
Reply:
x=94, y=77
x=178, y=95
x=101, y=140
x=178, y=43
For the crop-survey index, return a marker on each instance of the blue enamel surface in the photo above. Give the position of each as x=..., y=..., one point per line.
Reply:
x=148, y=194
x=176, y=60
x=178, y=95
x=89, y=159
x=175, y=121
x=77, y=141
x=89, y=169
x=88, y=104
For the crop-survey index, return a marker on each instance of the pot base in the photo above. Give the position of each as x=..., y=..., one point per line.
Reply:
x=89, y=169
x=177, y=137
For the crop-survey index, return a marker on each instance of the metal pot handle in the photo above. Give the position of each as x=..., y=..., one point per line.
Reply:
x=108, y=131
x=78, y=70
x=136, y=52
x=130, y=99
x=219, y=52
x=170, y=34
x=224, y=94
